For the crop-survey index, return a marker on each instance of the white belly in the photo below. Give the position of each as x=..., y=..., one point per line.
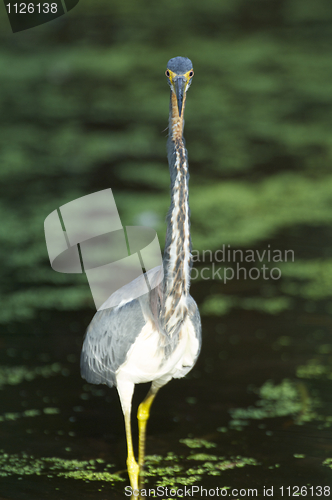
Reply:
x=144, y=361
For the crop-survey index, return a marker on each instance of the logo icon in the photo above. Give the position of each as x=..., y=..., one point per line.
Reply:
x=86, y=235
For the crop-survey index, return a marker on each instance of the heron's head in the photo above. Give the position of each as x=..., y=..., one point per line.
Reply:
x=179, y=73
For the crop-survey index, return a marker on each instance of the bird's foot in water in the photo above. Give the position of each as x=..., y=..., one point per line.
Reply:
x=133, y=472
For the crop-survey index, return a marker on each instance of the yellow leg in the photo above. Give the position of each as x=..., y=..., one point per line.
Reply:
x=143, y=414
x=132, y=466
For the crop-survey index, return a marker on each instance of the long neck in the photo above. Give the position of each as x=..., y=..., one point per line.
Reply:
x=177, y=253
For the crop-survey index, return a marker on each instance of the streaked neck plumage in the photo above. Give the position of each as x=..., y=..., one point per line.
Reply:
x=177, y=253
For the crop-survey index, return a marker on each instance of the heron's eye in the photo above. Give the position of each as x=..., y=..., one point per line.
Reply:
x=167, y=73
x=191, y=73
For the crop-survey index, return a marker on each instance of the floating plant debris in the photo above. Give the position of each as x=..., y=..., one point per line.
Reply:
x=13, y=375
x=277, y=400
x=314, y=369
x=86, y=470
x=158, y=467
x=180, y=474
x=197, y=443
x=328, y=462
x=218, y=305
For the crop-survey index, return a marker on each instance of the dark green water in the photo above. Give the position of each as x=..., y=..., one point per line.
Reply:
x=84, y=107
x=241, y=430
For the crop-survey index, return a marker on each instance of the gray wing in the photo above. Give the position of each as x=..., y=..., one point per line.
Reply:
x=107, y=341
x=114, y=329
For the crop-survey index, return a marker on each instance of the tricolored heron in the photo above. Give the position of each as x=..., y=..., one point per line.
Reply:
x=157, y=336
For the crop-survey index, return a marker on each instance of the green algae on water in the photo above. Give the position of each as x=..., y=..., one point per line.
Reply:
x=328, y=462
x=197, y=443
x=309, y=279
x=206, y=464
x=274, y=96
x=51, y=411
x=277, y=400
x=86, y=470
x=31, y=413
x=202, y=456
x=314, y=369
x=11, y=416
x=91, y=476
x=13, y=375
x=218, y=305
x=179, y=474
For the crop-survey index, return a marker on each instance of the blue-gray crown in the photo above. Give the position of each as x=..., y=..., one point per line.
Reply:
x=179, y=65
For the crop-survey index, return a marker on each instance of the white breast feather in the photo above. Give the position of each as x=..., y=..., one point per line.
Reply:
x=144, y=358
